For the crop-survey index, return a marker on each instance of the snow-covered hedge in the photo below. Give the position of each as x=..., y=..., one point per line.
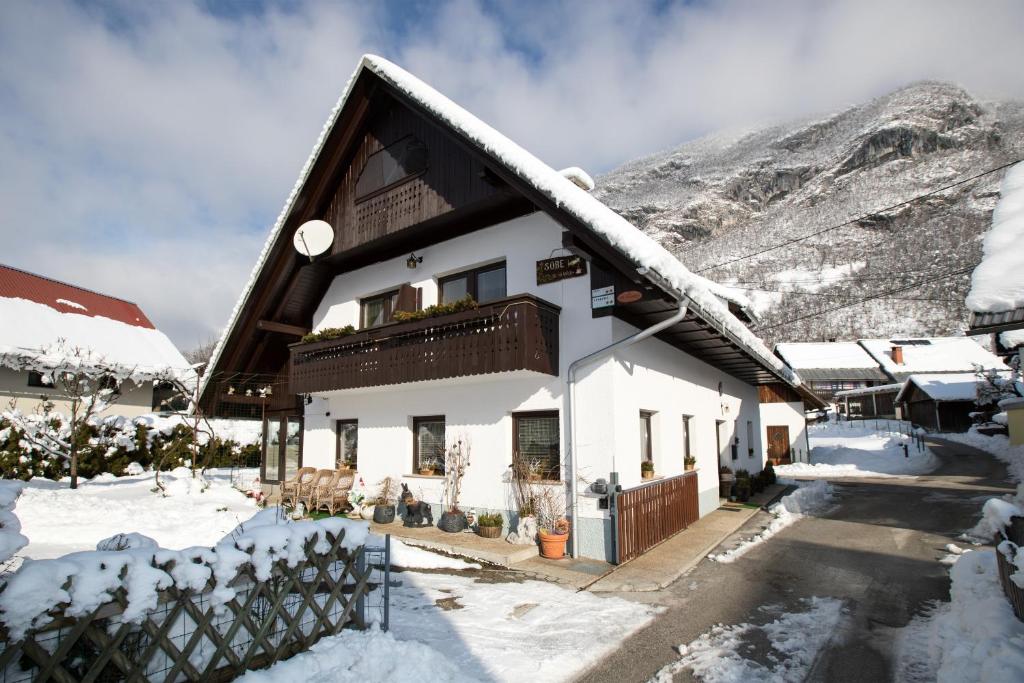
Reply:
x=112, y=443
x=11, y=538
x=76, y=584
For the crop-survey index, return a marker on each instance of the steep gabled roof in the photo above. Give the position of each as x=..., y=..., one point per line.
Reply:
x=960, y=386
x=562, y=194
x=37, y=312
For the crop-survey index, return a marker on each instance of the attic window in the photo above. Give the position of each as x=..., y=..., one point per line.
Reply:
x=391, y=166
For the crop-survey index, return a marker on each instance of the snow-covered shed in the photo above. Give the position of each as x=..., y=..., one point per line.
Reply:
x=902, y=357
x=941, y=402
x=429, y=204
x=43, y=322
x=876, y=401
x=830, y=367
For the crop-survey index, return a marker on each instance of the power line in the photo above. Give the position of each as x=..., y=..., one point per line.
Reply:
x=860, y=218
x=843, y=296
x=881, y=295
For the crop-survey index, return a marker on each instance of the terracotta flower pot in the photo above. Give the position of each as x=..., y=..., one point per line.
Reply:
x=427, y=471
x=552, y=546
x=490, y=531
x=647, y=474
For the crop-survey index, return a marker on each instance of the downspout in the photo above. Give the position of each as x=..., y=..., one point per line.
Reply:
x=571, y=412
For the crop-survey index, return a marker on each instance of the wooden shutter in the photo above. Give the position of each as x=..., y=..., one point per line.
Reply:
x=408, y=296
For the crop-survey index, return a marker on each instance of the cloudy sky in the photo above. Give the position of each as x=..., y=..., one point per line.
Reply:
x=146, y=147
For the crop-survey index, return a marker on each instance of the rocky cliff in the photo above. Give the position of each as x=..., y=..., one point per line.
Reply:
x=729, y=195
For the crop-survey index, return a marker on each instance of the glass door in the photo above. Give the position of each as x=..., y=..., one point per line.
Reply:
x=282, y=447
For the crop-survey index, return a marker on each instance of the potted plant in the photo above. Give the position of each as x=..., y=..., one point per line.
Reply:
x=552, y=525
x=489, y=525
x=769, y=474
x=743, y=485
x=356, y=497
x=536, y=472
x=384, y=512
x=428, y=466
x=456, y=461
x=690, y=462
x=725, y=482
x=647, y=469
x=757, y=483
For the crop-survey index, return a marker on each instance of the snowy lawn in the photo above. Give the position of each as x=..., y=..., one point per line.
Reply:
x=58, y=520
x=811, y=498
x=794, y=638
x=453, y=628
x=857, y=450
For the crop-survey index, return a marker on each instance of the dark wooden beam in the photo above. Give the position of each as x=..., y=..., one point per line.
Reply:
x=283, y=328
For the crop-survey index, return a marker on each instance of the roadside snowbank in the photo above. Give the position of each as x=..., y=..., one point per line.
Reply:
x=974, y=637
x=795, y=638
x=999, y=446
x=811, y=498
x=361, y=656
x=859, y=451
x=58, y=520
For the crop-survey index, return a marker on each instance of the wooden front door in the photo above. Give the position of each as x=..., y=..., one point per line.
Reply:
x=778, y=445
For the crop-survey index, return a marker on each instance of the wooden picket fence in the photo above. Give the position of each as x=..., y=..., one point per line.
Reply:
x=1015, y=534
x=188, y=638
x=649, y=514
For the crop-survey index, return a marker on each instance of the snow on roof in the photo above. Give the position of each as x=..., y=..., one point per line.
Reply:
x=36, y=336
x=825, y=355
x=867, y=391
x=617, y=231
x=958, y=386
x=931, y=354
x=997, y=284
x=580, y=177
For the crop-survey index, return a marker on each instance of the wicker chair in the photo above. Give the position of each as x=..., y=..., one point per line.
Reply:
x=322, y=492
x=290, y=488
x=307, y=492
x=337, y=498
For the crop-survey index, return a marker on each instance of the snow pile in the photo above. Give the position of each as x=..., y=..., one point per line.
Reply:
x=529, y=631
x=190, y=511
x=974, y=637
x=996, y=514
x=855, y=449
x=561, y=191
x=811, y=498
x=47, y=340
x=997, y=284
x=78, y=583
x=825, y=355
x=361, y=657
x=998, y=445
x=11, y=538
x=794, y=639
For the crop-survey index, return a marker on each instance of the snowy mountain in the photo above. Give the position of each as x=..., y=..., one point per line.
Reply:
x=728, y=195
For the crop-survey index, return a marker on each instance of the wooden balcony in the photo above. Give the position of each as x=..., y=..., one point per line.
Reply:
x=515, y=333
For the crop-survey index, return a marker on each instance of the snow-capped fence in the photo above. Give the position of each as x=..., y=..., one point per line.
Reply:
x=1012, y=546
x=288, y=586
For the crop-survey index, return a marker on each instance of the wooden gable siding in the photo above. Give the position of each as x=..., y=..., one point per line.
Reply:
x=453, y=179
x=777, y=392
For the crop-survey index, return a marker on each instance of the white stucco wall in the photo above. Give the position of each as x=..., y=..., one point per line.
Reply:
x=651, y=376
x=790, y=415
x=134, y=401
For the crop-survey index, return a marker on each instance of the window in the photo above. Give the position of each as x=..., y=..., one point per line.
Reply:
x=377, y=310
x=483, y=284
x=535, y=439
x=347, y=451
x=750, y=439
x=428, y=443
x=646, y=451
x=35, y=379
x=398, y=162
x=686, y=436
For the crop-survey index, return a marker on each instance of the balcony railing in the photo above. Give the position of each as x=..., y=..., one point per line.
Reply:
x=515, y=333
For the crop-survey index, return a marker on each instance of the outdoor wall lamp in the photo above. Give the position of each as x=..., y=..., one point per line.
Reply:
x=413, y=261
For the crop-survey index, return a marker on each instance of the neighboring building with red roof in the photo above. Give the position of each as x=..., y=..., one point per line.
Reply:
x=37, y=312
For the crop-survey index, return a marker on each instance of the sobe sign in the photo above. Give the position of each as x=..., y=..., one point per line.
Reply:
x=560, y=268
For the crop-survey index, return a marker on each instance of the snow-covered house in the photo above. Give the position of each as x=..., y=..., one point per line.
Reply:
x=996, y=298
x=43, y=322
x=783, y=412
x=942, y=402
x=900, y=358
x=589, y=350
x=830, y=367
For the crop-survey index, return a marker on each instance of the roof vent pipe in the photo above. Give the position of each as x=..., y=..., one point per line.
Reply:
x=897, y=355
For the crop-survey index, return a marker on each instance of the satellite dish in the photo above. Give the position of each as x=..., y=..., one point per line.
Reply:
x=313, y=238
